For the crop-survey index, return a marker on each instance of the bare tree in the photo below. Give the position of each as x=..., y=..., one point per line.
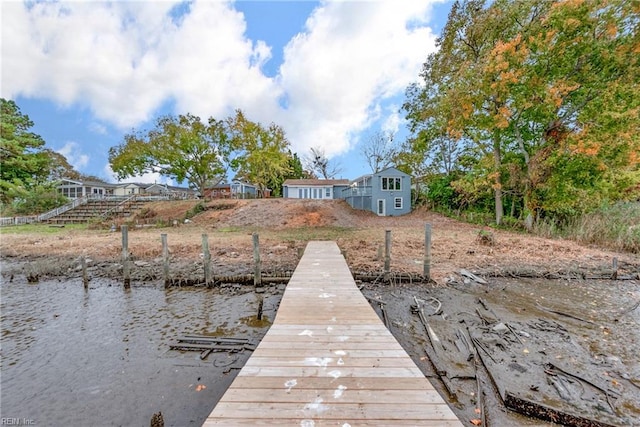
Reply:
x=317, y=163
x=380, y=151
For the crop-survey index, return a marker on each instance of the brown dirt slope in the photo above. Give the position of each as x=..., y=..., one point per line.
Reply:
x=285, y=225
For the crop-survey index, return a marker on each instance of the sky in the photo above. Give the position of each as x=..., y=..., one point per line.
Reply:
x=330, y=73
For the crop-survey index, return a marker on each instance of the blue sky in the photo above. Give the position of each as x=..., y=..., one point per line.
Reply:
x=331, y=73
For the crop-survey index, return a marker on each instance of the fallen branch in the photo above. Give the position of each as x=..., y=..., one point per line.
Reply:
x=551, y=367
x=564, y=314
x=629, y=310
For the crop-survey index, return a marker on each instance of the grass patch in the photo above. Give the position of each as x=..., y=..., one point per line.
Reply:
x=41, y=229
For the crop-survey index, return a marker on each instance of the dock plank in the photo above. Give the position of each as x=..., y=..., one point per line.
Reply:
x=329, y=360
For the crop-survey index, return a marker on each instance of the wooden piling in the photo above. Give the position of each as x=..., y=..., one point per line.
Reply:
x=206, y=255
x=427, y=251
x=165, y=260
x=126, y=266
x=260, y=306
x=85, y=277
x=387, y=255
x=257, y=274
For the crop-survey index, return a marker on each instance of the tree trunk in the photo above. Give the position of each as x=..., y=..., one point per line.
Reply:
x=497, y=186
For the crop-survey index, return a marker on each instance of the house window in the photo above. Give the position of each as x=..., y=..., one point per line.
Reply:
x=299, y=193
x=397, y=202
x=391, y=183
x=327, y=192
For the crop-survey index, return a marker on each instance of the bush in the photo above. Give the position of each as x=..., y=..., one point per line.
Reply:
x=39, y=200
x=441, y=194
x=199, y=208
x=616, y=227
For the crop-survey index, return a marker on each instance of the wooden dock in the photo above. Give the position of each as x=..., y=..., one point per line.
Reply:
x=329, y=360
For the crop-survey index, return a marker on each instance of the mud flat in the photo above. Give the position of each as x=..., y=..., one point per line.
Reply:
x=560, y=351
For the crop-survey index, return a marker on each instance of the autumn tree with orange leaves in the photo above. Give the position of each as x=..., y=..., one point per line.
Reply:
x=544, y=95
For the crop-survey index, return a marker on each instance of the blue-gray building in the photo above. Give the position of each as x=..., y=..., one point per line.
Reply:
x=386, y=193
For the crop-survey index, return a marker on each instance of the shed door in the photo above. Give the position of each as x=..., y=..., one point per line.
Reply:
x=381, y=207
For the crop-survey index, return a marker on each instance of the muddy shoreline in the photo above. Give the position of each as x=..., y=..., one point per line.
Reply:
x=601, y=338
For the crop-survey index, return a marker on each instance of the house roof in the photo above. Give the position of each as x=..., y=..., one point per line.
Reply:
x=217, y=186
x=88, y=183
x=316, y=182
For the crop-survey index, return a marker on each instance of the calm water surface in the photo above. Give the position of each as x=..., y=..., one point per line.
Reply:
x=101, y=357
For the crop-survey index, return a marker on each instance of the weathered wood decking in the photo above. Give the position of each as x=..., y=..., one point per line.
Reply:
x=329, y=360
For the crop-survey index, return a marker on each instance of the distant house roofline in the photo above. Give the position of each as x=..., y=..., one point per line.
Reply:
x=316, y=182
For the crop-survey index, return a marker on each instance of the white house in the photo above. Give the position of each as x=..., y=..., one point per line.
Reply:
x=314, y=188
x=75, y=189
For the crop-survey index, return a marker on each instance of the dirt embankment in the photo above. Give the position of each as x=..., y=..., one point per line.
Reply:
x=285, y=226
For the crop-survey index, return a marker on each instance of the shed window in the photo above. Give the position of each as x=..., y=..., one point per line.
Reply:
x=397, y=202
x=391, y=183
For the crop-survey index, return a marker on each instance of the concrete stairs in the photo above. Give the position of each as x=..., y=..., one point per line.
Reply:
x=96, y=209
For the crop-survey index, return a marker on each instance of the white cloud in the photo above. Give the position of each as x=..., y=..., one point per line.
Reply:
x=72, y=152
x=393, y=121
x=98, y=128
x=124, y=60
x=352, y=57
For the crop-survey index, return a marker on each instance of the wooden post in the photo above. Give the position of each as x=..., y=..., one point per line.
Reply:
x=614, y=276
x=126, y=267
x=387, y=255
x=427, y=251
x=257, y=275
x=206, y=254
x=165, y=260
x=85, y=277
x=260, y=305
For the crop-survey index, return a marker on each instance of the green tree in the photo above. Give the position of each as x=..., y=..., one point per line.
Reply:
x=24, y=163
x=262, y=154
x=547, y=89
x=183, y=148
x=296, y=171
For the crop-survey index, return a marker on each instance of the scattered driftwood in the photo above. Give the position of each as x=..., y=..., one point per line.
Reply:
x=552, y=369
x=535, y=409
x=243, y=279
x=208, y=344
x=432, y=352
x=554, y=275
x=393, y=277
x=470, y=275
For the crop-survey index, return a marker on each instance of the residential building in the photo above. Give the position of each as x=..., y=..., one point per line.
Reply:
x=236, y=189
x=386, y=193
x=314, y=188
x=75, y=189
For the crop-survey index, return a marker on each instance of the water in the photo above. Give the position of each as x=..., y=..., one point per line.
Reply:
x=101, y=357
